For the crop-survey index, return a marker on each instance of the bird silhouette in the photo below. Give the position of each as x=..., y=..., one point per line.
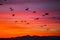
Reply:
x=13, y=14
x=22, y=21
x=58, y=18
x=34, y=11
x=41, y=26
x=27, y=9
x=36, y=19
x=1, y=4
x=16, y=21
x=27, y=23
x=11, y=9
x=47, y=29
x=45, y=25
x=43, y=15
x=46, y=13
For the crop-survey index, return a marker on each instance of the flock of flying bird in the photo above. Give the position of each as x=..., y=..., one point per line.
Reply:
x=11, y=9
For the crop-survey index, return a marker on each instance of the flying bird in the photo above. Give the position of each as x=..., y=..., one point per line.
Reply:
x=22, y=21
x=43, y=15
x=45, y=25
x=27, y=23
x=34, y=11
x=36, y=18
x=11, y=9
x=47, y=29
x=41, y=26
x=1, y=4
x=46, y=13
x=27, y=9
x=13, y=14
x=16, y=21
x=58, y=18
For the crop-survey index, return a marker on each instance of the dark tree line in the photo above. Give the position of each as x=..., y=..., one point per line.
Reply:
x=33, y=38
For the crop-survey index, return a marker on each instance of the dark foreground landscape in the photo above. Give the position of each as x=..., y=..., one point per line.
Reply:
x=33, y=38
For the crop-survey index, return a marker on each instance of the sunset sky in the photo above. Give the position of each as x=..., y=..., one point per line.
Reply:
x=26, y=22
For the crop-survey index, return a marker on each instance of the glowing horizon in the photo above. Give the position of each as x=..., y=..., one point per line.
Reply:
x=24, y=22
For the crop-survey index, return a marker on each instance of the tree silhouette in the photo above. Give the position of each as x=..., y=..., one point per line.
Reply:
x=27, y=37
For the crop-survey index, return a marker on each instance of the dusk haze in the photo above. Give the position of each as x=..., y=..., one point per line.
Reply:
x=29, y=17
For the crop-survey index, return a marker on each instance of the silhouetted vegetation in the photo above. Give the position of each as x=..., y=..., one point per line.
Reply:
x=33, y=38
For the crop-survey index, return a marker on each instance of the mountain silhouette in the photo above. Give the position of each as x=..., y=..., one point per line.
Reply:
x=27, y=37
